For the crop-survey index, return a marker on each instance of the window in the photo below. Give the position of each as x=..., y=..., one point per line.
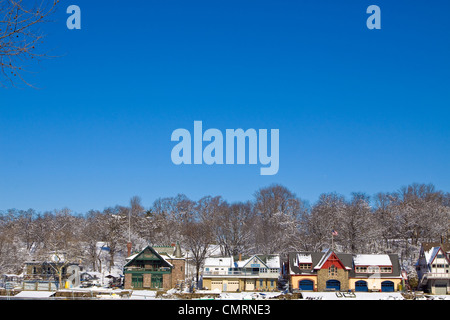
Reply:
x=373, y=269
x=361, y=269
x=332, y=270
x=386, y=269
x=272, y=282
x=305, y=266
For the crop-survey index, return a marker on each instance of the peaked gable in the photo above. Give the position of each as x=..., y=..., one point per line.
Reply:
x=254, y=262
x=330, y=258
x=148, y=254
x=434, y=252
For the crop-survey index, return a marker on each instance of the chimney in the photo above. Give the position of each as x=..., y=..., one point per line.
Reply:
x=128, y=248
x=177, y=251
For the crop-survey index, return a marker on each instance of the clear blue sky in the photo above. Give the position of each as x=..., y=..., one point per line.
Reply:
x=357, y=109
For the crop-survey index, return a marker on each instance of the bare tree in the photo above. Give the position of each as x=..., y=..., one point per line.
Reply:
x=112, y=231
x=20, y=35
x=278, y=212
x=356, y=224
x=197, y=236
x=61, y=244
x=322, y=219
x=234, y=228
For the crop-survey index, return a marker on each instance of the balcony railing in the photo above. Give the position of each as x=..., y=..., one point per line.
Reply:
x=441, y=275
x=140, y=269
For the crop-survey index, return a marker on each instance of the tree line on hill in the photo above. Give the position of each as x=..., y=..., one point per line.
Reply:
x=274, y=221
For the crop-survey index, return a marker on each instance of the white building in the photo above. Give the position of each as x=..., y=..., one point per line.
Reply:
x=230, y=274
x=433, y=268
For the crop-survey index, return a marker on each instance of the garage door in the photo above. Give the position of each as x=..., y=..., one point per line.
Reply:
x=333, y=285
x=361, y=286
x=387, y=286
x=440, y=288
x=216, y=285
x=233, y=286
x=250, y=285
x=306, y=285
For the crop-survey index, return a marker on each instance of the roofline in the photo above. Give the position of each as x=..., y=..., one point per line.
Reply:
x=154, y=252
x=437, y=251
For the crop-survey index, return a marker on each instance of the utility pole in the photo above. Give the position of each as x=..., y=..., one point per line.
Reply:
x=129, y=233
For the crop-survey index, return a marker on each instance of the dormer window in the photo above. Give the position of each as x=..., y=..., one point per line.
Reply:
x=305, y=266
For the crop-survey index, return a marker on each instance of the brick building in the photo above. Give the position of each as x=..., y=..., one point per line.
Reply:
x=153, y=268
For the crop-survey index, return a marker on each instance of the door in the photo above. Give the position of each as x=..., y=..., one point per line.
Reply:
x=440, y=288
x=233, y=286
x=157, y=281
x=333, y=285
x=306, y=285
x=137, y=281
x=387, y=286
x=361, y=286
x=216, y=285
x=249, y=285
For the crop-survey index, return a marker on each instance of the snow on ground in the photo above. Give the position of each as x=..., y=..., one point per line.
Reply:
x=357, y=296
x=247, y=295
x=143, y=295
x=108, y=293
x=34, y=294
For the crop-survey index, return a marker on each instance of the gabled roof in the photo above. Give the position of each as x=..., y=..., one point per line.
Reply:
x=153, y=251
x=318, y=259
x=431, y=254
x=329, y=254
x=267, y=261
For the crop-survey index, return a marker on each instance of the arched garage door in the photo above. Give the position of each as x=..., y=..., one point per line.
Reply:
x=361, y=286
x=306, y=285
x=333, y=285
x=387, y=286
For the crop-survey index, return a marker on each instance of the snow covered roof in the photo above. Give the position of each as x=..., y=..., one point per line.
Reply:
x=268, y=261
x=265, y=261
x=303, y=258
x=132, y=256
x=153, y=251
x=273, y=261
x=348, y=260
x=34, y=294
x=430, y=254
x=372, y=260
x=219, y=262
x=323, y=260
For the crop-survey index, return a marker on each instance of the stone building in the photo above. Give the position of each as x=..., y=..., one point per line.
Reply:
x=153, y=268
x=331, y=271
